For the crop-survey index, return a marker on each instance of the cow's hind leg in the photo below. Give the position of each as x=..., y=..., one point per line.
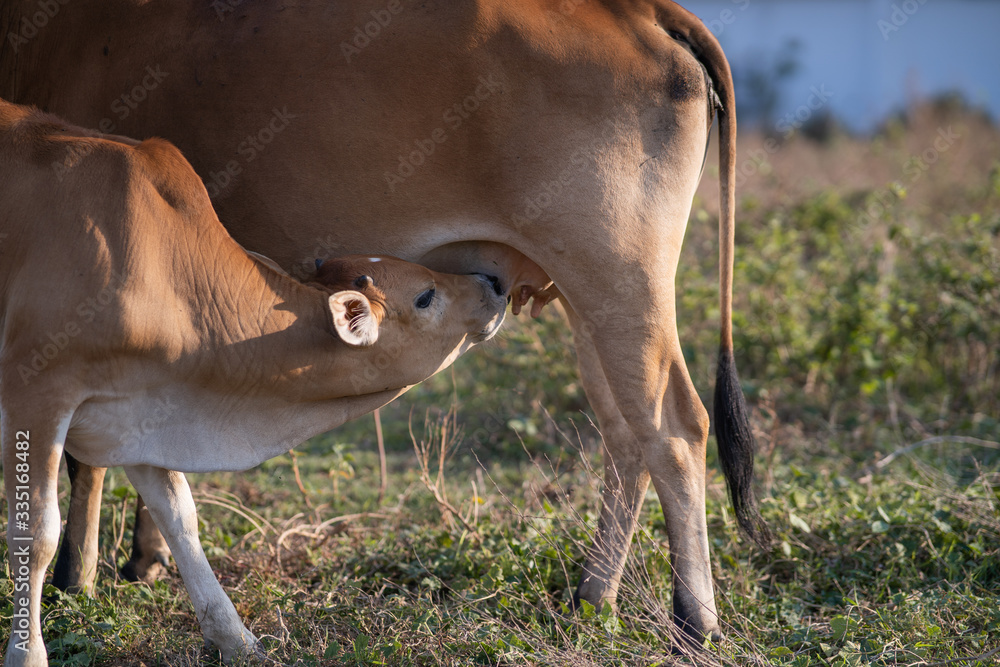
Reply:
x=150, y=552
x=625, y=482
x=76, y=565
x=626, y=329
x=663, y=439
x=32, y=448
x=669, y=428
x=171, y=506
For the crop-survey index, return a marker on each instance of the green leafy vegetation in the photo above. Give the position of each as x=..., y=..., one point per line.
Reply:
x=867, y=334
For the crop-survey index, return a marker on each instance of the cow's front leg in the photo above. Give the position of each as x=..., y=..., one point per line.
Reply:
x=76, y=565
x=168, y=497
x=31, y=452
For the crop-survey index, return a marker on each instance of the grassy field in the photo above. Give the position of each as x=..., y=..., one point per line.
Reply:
x=868, y=330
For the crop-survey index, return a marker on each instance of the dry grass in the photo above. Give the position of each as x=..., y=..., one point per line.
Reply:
x=853, y=165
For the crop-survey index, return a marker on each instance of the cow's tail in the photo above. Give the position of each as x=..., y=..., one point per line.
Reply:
x=732, y=425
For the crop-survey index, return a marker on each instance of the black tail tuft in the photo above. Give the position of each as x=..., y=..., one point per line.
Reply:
x=736, y=449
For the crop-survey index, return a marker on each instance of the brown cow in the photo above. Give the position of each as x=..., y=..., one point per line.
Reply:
x=135, y=332
x=528, y=139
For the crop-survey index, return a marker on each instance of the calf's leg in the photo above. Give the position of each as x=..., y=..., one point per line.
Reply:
x=150, y=552
x=31, y=451
x=171, y=506
x=76, y=565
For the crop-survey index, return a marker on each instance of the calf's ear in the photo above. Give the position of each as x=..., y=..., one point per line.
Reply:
x=353, y=318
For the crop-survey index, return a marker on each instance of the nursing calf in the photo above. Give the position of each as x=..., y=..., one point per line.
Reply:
x=135, y=332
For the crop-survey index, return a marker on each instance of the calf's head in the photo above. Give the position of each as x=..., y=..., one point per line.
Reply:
x=405, y=322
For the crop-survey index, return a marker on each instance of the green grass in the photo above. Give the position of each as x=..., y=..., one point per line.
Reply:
x=902, y=569
x=854, y=339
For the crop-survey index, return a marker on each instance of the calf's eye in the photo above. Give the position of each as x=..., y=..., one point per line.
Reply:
x=424, y=299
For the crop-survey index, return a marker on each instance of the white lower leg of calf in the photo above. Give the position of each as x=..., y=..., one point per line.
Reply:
x=168, y=497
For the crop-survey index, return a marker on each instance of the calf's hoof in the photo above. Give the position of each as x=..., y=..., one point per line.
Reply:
x=35, y=656
x=249, y=653
x=146, y=569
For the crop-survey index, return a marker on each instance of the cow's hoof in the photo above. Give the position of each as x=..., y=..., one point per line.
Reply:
x=688, y=642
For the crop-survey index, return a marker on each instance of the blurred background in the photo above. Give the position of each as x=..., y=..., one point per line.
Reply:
x=872, y=58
